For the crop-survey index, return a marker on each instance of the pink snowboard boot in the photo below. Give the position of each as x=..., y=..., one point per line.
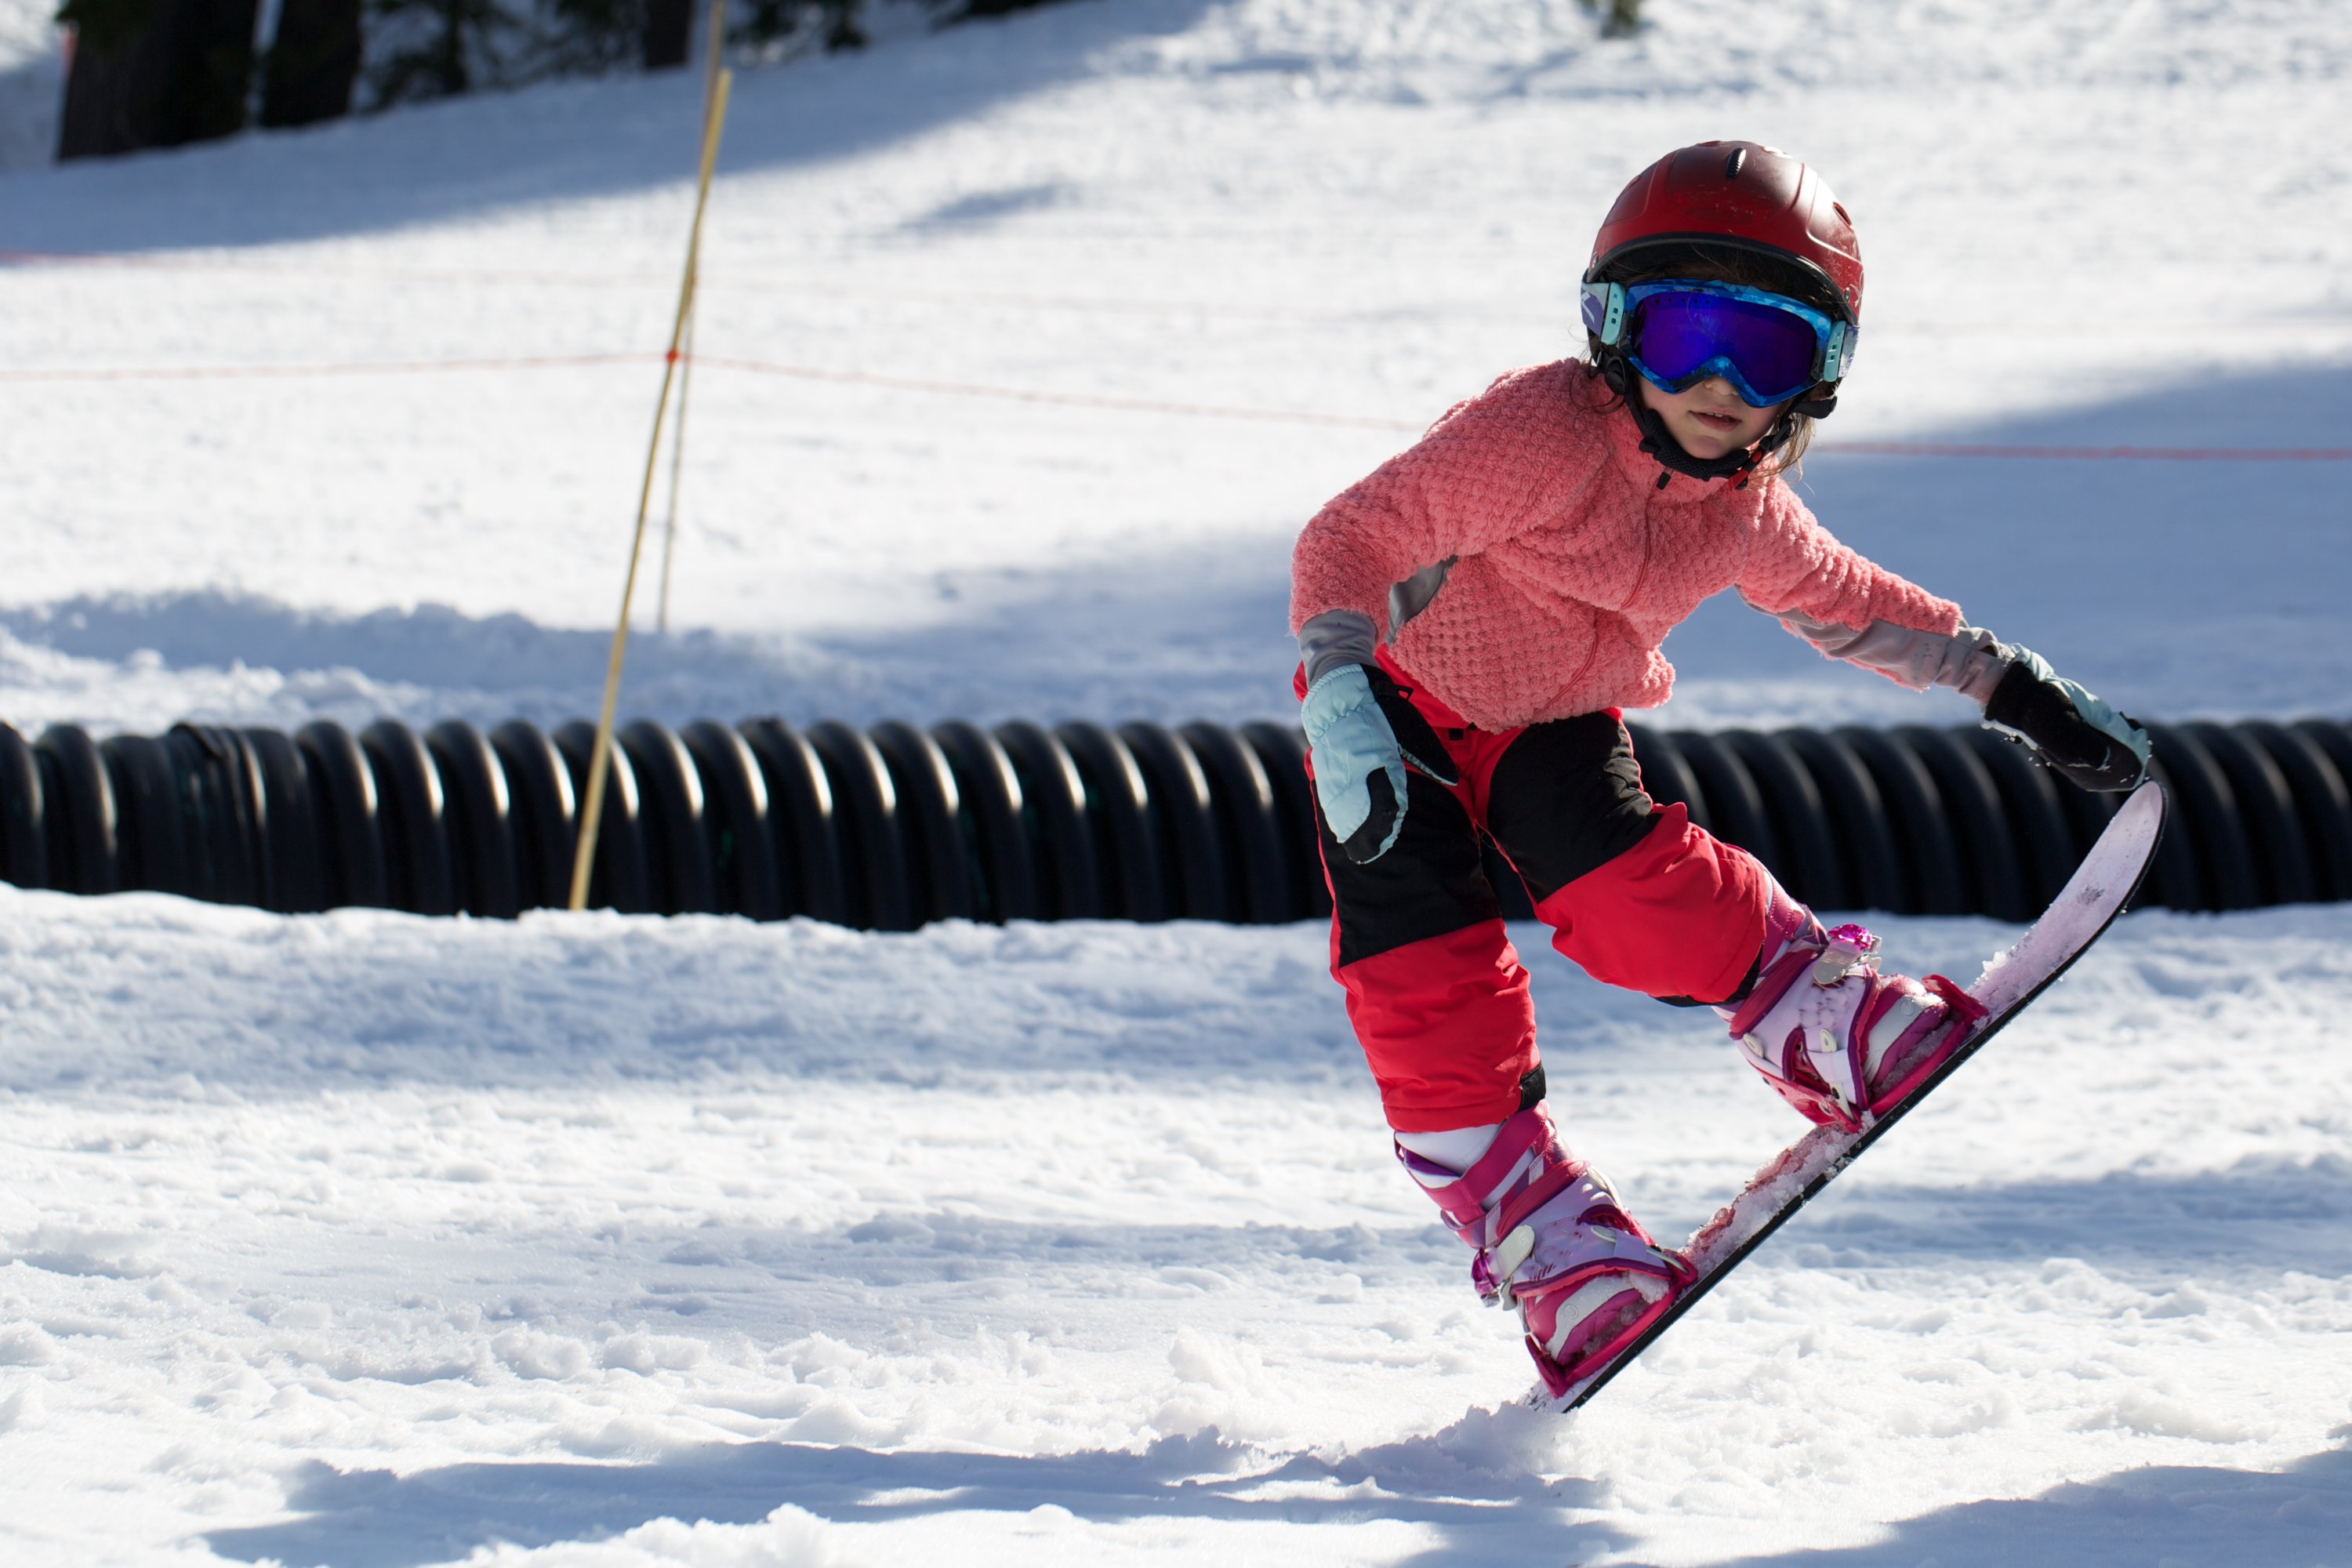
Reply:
x=1839, y=1040
x=1552, y=1241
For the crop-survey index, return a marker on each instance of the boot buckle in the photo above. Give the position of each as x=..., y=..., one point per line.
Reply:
x=1850, y=949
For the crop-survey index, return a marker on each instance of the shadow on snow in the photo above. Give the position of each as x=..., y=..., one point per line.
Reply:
x=1168, y=636
x=2248, y=1519
x=2223, y=596
x=2293, y=1215
x=376, y=1519
x=2227, y=600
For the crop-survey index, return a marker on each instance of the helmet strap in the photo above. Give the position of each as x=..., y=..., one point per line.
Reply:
x=1818, y=402
x=1659, y=443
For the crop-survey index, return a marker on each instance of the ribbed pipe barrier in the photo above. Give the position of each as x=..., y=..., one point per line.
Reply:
x=892, y=826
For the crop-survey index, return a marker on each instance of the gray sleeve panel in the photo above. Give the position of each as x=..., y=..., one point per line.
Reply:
x=1410, y=597
x=1969, y=661
x=1335, y=637
x=1344, y=636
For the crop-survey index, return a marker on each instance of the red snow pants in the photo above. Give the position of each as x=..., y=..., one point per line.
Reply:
x=1634, y=893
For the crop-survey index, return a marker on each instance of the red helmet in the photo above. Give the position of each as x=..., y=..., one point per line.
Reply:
x=1740, y=194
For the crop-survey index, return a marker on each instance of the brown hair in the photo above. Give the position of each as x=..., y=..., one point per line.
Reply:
x=1725, y=264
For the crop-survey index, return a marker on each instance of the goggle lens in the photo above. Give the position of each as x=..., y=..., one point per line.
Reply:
x=1768, y=354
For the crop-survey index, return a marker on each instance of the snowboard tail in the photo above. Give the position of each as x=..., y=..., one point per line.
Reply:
x=2099, y=890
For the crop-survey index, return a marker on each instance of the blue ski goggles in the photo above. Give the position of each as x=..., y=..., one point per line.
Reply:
x=1677, y=332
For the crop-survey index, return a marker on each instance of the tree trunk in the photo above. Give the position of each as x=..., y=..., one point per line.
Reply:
x=312, y=62
x=177, y=73
x=667, y=24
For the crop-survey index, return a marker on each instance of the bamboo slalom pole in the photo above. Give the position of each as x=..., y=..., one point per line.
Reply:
x=600, y=760
x=716, y=31
x=677, y=463
x=713, y=48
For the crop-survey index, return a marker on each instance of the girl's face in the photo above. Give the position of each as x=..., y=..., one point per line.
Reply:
x=1708, y=419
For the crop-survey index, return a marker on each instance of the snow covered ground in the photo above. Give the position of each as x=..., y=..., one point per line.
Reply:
x=368, y=1240
x=372, y=1240
x=1358, y=210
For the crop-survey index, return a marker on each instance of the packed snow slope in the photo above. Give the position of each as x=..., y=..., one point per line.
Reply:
x=372, y=1241
x=2099, y=225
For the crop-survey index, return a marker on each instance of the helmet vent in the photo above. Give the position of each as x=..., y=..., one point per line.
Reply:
x=1843, y=216
x=1731, y=164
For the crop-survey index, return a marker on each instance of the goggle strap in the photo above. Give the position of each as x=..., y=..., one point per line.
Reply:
x=1604, y=311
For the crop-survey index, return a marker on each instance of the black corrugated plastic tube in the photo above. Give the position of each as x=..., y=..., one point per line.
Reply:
x=895, y=827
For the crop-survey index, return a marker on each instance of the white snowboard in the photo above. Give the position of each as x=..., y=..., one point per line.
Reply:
x=2102, y=885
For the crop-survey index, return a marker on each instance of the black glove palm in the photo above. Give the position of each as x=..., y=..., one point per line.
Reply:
x=2068, y=728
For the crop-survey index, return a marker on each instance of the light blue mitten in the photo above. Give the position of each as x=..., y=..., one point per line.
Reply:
x=1353, y=715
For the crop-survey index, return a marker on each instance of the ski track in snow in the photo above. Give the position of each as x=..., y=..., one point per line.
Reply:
x=374, y=1241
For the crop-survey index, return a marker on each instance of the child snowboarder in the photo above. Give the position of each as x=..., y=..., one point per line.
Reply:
x=1471, y=620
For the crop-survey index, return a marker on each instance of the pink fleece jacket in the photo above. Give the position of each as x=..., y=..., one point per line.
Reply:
x=1570, y=565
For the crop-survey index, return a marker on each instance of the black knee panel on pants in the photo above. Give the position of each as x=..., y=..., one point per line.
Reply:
x=1430, y=883
x=1565, y=799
